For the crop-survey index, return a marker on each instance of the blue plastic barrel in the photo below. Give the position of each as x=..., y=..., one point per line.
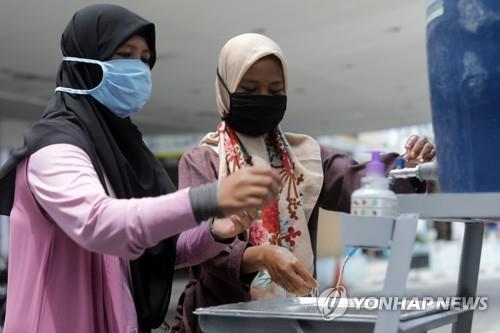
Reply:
x=463, y=54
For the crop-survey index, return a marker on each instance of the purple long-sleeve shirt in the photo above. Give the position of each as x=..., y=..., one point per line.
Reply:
x=219, y=280
x=70, y=242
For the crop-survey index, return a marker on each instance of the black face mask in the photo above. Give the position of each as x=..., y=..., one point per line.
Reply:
x=254, y=115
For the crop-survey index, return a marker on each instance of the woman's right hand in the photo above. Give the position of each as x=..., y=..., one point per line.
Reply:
x=287, y=271
x=233, y=225
x=249, y=188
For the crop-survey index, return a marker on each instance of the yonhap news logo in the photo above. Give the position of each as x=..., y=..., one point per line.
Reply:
x=333, y=303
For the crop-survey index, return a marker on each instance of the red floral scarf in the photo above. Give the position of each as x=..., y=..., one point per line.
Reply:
x=282, y=223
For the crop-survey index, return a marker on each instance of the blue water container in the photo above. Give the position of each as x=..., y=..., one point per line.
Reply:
x=463, y=54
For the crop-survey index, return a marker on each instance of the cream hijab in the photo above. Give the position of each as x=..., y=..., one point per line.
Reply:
x=236, y=57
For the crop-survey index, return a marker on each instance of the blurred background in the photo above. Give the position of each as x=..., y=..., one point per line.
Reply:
x=357, y=81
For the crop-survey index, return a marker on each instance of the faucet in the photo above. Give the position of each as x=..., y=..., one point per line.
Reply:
x=423, y=171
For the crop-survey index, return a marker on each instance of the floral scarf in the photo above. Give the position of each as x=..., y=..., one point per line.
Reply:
x=283, y=222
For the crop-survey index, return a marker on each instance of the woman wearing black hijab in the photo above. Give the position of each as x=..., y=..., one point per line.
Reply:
x=85, y=195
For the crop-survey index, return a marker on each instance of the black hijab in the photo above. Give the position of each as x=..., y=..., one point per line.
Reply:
x=116, y=144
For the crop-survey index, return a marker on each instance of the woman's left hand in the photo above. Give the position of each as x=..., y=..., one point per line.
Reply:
x=418, y=150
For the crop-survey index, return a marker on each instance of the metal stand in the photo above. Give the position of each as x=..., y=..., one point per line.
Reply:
x=473, y=209
x=405, y=230
x=301, y=314
x=398, y=235
x=469, y=271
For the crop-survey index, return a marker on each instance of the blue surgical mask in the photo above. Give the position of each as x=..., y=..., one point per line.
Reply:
x=125, y=86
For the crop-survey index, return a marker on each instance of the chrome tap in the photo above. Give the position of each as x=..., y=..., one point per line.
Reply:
x=424, y=171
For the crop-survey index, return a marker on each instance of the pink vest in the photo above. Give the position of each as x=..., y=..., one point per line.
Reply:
x=74, y=293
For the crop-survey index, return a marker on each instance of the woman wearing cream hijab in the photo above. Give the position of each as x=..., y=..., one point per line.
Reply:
x=276, y=256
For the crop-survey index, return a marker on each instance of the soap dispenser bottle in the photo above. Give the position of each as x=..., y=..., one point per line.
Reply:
x=374, y=198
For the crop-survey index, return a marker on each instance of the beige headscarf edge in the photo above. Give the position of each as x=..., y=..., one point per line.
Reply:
x=236, y=57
